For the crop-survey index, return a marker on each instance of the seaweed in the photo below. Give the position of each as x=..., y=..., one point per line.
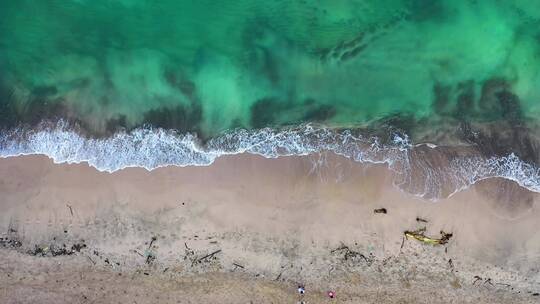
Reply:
x=10, y=242
x=56, y=250
x=351, y=255
x=380, y=210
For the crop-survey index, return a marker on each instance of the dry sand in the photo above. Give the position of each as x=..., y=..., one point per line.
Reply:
x=272, y=224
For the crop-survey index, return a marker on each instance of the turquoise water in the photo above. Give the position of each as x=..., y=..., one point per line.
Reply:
x=140, y=83
x=208, y=66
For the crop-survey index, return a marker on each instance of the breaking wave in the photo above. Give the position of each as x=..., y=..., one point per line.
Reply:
x=425, y=170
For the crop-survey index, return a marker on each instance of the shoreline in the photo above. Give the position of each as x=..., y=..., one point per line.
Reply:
x=283, y=217
x=426, y=170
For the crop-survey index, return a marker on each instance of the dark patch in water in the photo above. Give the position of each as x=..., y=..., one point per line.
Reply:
x=44, y=91
x=180, y=118
x=8, y=116
x=401, y=123
x=505, y=131
x=352, y=53
x=260, y=56
x=502, y=139
x=40, y=108
x=265, y=111
x=31, y=113
x=116, y=124
x=319, y=113
x=273, y=112
x=496, y=102
x=423, y=10
x=490, y=106
x=268, y=65
x=465, y=100
x=494, y=122
x=185, y=86
x=441, y=101
x=510, y=107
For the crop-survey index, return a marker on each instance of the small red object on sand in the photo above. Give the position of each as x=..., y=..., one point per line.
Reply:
x=331, y=294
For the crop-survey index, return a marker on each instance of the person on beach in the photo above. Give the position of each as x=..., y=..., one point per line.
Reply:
x=331, y=294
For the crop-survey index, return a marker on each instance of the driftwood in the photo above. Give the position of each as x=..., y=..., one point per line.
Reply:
x=209, y=255
x=238, y=266
x=150, y=256
x=152, y=242
x=421, y=220
x=205, y=257
x=70, y=209
x=420, y=236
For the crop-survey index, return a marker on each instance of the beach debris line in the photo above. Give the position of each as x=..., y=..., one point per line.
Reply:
x=380, y=210
x=189, y=254
x=10, y=242
x=419, y=235
x=349, y=254
x=56, y=250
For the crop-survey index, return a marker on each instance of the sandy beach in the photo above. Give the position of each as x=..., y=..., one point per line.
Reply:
x=251, y=151
x=250, y=230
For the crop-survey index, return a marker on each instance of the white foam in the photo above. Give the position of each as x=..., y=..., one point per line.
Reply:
x=152, y=148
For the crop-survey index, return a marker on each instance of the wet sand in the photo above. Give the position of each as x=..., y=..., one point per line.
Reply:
x=248, y=229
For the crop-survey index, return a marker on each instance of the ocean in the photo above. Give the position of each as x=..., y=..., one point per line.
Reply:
x=444, y=92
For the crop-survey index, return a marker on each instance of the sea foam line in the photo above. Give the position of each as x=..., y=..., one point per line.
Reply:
x=151, y=148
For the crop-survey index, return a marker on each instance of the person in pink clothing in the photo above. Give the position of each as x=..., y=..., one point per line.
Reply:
x=331, y=294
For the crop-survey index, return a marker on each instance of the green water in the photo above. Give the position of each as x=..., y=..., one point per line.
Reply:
x=209, y=65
